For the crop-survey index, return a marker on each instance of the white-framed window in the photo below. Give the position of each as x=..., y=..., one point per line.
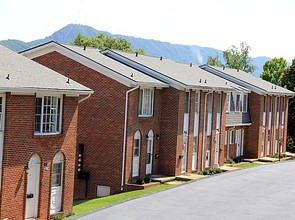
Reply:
x=228, y=102
x=245, y=102
x=146, y=102
x=225, y=142
x=197, y=103
x=48, y=115
x=186, y=102
x=238, y=102
x=232, y=137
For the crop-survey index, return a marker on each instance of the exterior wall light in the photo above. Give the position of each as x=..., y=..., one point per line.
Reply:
x=27, y=169
x=45, y=166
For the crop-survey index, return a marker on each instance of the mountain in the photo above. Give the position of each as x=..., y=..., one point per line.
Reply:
x=177, y=52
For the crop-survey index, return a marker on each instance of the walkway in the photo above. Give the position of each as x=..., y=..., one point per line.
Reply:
x=262, y=192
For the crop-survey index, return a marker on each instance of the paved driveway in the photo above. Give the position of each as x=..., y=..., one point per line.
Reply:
x=263, y=192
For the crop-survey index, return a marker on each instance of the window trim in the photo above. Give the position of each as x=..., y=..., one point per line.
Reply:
x=140, y=109
x=59, y=124
x=244, y=107
x=232, y=137
x=228, y=96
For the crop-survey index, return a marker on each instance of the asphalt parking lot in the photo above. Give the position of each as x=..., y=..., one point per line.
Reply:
x=262, y=192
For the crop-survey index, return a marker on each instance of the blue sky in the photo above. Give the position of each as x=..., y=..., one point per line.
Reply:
x=266, y=25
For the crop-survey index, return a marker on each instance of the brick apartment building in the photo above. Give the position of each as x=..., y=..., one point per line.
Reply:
x=165, y=130
x=151, y=115
x=105, y=136
x=38, y=129
x=263, y=128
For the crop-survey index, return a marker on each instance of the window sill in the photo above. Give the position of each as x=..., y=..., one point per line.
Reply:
x=145, y=116
x=36, y=134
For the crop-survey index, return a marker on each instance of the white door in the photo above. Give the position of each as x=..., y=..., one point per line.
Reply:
x=195, y=154
x=136, y=153
x=238, y=143
x=184, y=154
x=185, y=132
x=2, y=117
x=196, y=132
x=216, y=158
x=32, y=195
x=57, y=183
x=207, y=158
x=149, y=153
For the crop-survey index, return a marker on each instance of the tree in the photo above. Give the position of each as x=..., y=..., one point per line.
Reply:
x=238, y=58
x=103, y=42
x=274, y=70
x=288, y=81
x=214, y=61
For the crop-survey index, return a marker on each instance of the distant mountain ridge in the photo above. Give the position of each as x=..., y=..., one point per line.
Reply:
x=177, y=52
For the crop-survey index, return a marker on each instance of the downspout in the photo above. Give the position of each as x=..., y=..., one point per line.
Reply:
x=204, y=126
x=83, y=99
x=125, y=135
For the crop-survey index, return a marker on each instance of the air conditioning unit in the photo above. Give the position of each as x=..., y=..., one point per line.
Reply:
x=102, y=191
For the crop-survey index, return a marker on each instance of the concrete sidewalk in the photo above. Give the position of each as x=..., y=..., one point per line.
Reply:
x=262, y=192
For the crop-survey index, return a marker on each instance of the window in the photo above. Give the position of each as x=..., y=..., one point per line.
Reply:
x=186, y=104
x=197, y=103
x=146, y=102
x=238, y=102
x=57, y=174
x=232, y=137
x=210, y=103
x=264, y=104
x=48, y=114
x=228, y=102
x=225, y=138
x=245, y=102
x=1, y=114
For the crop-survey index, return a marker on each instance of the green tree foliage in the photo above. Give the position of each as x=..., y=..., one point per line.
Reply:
x=238, y=58
x=288, y=81
x=103, y=42
x=213, y=61
x=274, y=70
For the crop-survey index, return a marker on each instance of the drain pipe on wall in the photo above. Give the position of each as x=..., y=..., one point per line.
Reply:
x=204, y=126
x=125, y=135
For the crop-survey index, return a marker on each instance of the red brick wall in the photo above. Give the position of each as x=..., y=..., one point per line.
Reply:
x=169, y=131
x=253, y=132
x=20, y=144
x=101, y=124
x=144, y=125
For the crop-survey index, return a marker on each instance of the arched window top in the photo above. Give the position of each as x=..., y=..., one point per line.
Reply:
x=137, y=135
x=58, y=158
x=35, y=159
x=151, y=133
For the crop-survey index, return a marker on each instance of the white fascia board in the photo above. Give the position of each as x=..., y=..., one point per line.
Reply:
x=150, y=72
x=53, y=46
x=29, y=91
x=238, y=125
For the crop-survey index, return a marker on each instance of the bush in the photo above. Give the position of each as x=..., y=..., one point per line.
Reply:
x=277, y=155
x=228, y=161
x=210, y=171
x=290, y=144
x=237, y=159
x=140, y=181
x=147, y=179
x=57, y=217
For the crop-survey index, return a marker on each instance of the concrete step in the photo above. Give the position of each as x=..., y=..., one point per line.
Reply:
x=268, y=159
x=162, y=178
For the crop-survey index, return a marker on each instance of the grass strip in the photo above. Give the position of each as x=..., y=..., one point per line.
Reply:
x=85, y=205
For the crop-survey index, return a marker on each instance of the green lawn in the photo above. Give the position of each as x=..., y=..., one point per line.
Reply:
x=248, y=165
x=85, y=205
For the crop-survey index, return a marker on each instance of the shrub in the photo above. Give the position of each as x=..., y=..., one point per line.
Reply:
x=228, y=161
x=237, y=159
x=57, y=217
x=147, y=179
x=140, y=180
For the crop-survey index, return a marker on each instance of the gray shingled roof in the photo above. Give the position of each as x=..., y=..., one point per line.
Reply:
x=187, y=74
x=20, y=74
x=130, y=73
x=246, y=78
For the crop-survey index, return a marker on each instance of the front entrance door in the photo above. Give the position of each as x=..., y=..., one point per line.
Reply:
x=32, y=195
x=207, y=158
x=239, y=142
x=136, y=153
x=216, y=158
x=149, y=152
x=56, y=181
